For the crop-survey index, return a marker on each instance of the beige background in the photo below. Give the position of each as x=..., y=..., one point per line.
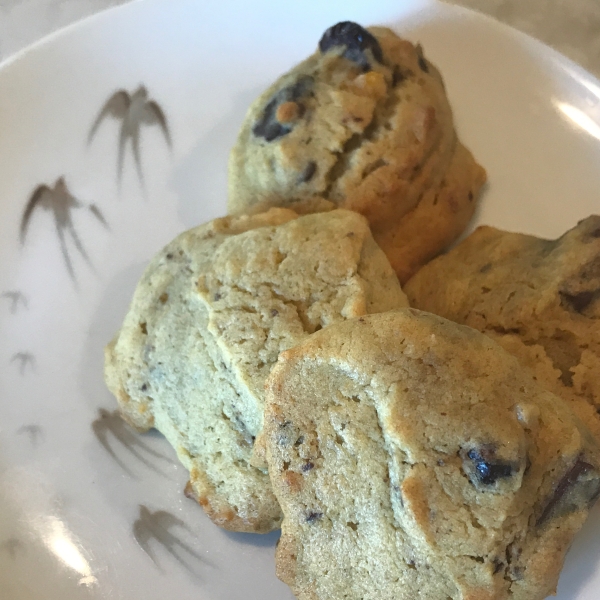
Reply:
x=570, y=26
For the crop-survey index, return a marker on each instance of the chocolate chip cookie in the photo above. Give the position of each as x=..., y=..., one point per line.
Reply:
x=540, y=299
x=208, y=320
x=414, y=458
x=364, y=123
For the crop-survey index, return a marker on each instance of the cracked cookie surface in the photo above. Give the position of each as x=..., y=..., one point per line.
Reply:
x=365, y=124
x=207, y=321
x=540, y=299
x=413, y=458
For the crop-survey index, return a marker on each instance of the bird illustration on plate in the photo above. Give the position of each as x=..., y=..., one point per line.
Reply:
x=110, y=425
x=158, y=526
x=61, y=203
x=16, y=298
x=25, y=360
x=133, y=111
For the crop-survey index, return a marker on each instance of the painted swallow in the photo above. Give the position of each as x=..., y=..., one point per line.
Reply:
x=158, y=525
x=24, y=359
x=16, y=299
x=112, y=423
x=133, y=110
x=61, y=203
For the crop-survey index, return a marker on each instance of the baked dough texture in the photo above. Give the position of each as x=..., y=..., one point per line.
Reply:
x=364, y=123
x=414, y=458
x=538, y=298
x=207, y=321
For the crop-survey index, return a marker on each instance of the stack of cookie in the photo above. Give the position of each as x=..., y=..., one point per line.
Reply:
x=403, y=454
x=208, y=320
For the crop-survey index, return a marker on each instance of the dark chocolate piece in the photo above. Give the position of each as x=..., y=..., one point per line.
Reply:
x=580, y=301
x=578, y=488
x=356, y=39
x=268, y=127
x=484, y=469
x=308, y=173
x=422, y=62
x=397, y=76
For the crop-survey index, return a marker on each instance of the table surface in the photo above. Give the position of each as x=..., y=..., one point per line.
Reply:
x=570, y=26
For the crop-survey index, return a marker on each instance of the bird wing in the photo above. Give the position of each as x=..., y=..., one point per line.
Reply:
x=116, y=106
x=38, y=195
x=166, y=520
x=101, y=427
x=135, y=146
x=98, y=214
x=65, y=250
x=143, y=537
x=154, y=115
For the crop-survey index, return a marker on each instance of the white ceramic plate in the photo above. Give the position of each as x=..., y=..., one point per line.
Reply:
x=87, y=508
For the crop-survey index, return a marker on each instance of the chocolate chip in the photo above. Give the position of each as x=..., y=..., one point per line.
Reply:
x=357, y=41
x=421, y=59
x=311, y=517
x=144, y=387
x=308, y=173
x=578, y=488
x=268, y=127
x=488, y=472
x=483, y=468
x=498, y=566
x=169, y=256
x=274, y=312
x=397, y=76
x=513, y=553
x=307, y=467
x=516, y=573
x=579, y=301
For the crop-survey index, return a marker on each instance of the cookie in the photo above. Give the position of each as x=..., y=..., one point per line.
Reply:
x=413, y=458
x=207, y=321
x=540, y=299
x=363, y=123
